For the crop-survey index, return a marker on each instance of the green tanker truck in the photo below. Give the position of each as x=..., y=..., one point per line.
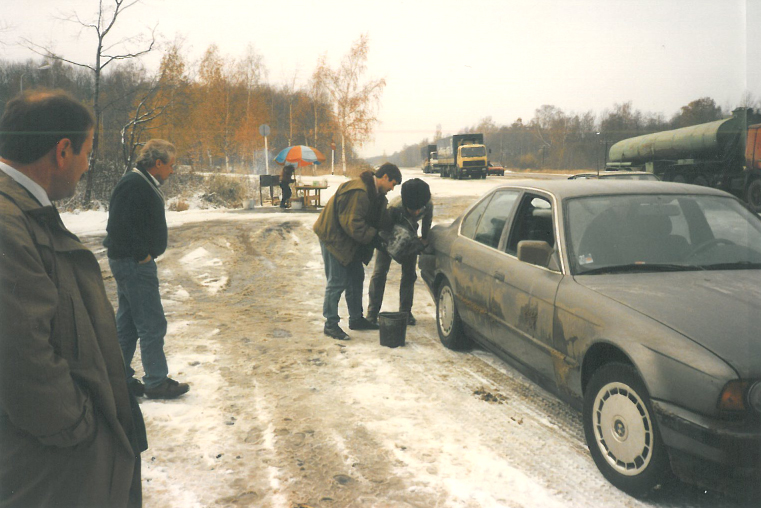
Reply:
x=725, y=154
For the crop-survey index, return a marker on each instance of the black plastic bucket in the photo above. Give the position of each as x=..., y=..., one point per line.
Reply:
x=393, y=328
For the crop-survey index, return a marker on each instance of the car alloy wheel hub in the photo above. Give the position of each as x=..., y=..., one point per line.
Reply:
x=623, y=429
x=446, y=310
x=619, y=428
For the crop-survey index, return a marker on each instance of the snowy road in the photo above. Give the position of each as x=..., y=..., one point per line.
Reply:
x=281, y=416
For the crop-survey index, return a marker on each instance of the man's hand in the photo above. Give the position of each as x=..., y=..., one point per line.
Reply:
x=378, y=242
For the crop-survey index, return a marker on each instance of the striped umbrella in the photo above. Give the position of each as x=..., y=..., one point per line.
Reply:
x=299, y=156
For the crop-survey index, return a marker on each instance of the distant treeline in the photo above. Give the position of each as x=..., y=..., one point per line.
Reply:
x=554, y=139
x=211, y=110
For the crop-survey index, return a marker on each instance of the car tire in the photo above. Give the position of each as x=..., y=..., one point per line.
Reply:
x=753, y=195
x=448, y=321
x=621, y=431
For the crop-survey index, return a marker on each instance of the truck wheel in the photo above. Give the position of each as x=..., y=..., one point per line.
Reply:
x=753, y=195
x=621, y=431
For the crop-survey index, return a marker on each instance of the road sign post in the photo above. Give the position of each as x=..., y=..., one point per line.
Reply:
x=264, y=130
x=332, y=158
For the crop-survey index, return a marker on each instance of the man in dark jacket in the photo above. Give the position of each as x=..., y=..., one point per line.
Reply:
x=348, y=231
x=137, y=235
x=70, y=432
x=413, y=206
x=286, y=179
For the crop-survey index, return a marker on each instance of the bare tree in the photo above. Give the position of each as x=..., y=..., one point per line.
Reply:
x=355, y=102
x=102, y=26
x=146, y=112
x=318, y=90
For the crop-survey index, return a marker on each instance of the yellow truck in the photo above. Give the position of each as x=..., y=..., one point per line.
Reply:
x=462, y=156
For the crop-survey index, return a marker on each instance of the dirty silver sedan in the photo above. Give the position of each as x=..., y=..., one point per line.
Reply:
x=637, y=302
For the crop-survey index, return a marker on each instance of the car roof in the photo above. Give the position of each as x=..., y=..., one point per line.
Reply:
x=564, y=188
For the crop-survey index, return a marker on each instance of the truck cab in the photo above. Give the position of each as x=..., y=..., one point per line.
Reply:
x=471, y=161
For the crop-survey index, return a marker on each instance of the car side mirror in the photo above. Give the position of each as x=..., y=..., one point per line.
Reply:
x=535, y=252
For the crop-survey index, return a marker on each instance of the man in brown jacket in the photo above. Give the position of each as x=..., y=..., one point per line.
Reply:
x=348, y=231
x=70, y=433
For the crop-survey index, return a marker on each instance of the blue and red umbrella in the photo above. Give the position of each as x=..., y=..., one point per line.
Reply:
x=299, y=156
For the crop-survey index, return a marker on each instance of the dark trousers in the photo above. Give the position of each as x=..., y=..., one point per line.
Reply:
x=378, y=283
x=286, y=194
x=349, y=279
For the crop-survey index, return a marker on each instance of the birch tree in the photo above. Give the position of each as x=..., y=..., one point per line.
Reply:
x=355, y=100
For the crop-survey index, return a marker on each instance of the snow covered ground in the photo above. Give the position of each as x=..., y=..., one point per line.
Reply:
x=279, y=415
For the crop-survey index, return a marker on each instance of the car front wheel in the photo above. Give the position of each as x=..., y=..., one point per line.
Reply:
x=621, y=432
x=448, y=320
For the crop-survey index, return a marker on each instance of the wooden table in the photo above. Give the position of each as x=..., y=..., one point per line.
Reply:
x=310, y=193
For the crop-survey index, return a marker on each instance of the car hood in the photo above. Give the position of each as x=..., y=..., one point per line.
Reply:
x=720, y=310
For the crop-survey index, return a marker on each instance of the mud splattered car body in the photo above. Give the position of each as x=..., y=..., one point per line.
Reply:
x=638, y=302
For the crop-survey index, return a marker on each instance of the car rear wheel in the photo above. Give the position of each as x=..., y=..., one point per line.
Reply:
x=621, y=432
x=448, y=320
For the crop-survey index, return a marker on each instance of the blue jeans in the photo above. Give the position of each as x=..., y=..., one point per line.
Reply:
x=342, y=278
x=140, y=316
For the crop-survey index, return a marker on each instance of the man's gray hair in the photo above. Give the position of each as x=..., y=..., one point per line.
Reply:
x=154, y=150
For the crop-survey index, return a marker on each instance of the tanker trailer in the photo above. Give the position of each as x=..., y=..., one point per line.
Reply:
x=712, y=154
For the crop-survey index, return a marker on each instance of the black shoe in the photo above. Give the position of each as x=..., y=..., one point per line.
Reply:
x=411, y=321
x=168, y=389
x=362, y=324
x=135, y=387
x=373, y=320
x=335, y=332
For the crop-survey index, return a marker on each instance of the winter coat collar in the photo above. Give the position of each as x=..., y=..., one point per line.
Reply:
x=368, y=178
x=30, y=185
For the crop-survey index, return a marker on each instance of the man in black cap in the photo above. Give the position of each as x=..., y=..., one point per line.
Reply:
x=413, y=207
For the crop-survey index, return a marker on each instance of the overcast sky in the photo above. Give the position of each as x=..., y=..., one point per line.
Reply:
x=454, y=62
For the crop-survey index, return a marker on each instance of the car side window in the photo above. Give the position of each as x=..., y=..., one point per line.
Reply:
x=470, y=222
x=533, y=221
x=495, y=217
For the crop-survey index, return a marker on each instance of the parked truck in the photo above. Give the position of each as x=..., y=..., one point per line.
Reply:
x=428, y=153
x=462, y=155
x=725, y=154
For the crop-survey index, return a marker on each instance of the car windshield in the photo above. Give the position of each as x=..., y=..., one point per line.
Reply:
x=650, y=232
x=473, y=151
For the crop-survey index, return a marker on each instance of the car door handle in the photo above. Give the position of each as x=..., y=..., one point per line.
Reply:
x=499, y=276
x=458, y=258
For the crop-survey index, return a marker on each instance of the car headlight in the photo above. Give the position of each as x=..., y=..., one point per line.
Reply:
x=754, y=396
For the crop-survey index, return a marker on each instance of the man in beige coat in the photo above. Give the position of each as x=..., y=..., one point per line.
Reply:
x=348, y=230
x=70, y=433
